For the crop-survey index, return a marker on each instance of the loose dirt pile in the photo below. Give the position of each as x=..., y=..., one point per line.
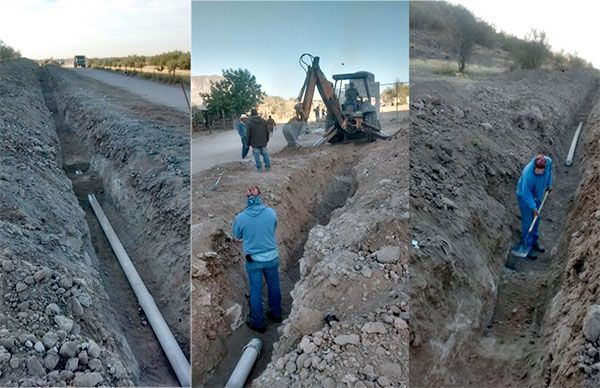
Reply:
x=305, y=186
x=57, y=325
x=473, y=322
x=140, y=152
x=355, y=268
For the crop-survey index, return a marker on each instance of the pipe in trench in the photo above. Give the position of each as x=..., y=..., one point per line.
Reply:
x=177, y=359
x=569, y=160
x=244, y=366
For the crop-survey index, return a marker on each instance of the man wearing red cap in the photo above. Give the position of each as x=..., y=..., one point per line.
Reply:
x=255, y=226
x=535, y=180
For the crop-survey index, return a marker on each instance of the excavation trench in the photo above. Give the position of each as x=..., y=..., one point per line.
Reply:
x=341, y=187
x=510, y=346
x=153, y=366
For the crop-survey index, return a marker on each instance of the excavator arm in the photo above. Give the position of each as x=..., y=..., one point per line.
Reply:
x=316, y=78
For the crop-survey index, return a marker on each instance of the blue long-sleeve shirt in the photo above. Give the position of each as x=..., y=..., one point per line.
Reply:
x=242, y=131
x=531, y=187
x=255, y=226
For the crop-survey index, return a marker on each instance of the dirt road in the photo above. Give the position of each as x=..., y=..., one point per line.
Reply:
x=225, y=146
x=155, y=92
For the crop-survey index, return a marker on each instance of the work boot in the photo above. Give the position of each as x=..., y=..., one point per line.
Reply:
x=537, y=247
x=273, y=318
x=257, y=329
x=532, y=255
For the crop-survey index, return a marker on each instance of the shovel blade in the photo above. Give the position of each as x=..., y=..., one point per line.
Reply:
x=520, y=250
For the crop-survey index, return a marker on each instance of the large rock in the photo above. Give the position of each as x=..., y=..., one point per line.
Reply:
x=591, y=323
x=64, y=323
x=87, y=379
x=69, y=349
x=388, y=254
x=345, y=339
x=34, y=367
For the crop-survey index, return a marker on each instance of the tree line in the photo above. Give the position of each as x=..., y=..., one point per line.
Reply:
x=466, y=30
x=170, y=61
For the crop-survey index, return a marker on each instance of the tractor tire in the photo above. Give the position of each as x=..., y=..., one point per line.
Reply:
x=370, y=118
x=339, y=136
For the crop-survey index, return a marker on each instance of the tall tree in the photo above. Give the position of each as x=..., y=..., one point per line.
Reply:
x=464, y=33
x=237, y=93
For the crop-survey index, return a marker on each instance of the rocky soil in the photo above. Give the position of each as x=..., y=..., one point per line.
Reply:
x=57, y=324
x=360, y=242
x=473, y=321
x=354, y=268
x=572, y=322
x=67, y=314
x=140, y=152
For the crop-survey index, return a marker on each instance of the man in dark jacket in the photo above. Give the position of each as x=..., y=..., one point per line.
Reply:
x=255, y=226
x=271, y=124
x=258, y=137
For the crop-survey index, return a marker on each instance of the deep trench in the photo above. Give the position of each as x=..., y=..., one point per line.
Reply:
x=341, y=187
x=153, y=367
x=511, y=341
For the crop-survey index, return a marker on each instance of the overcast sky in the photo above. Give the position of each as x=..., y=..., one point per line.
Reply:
x=95, y=28
x=267, y=38
x=573, y=25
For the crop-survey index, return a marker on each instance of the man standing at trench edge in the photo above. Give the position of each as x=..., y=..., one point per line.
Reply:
x=535, y=180
x=255, y=226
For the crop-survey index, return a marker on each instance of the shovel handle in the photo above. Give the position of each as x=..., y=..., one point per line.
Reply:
x=538, y=215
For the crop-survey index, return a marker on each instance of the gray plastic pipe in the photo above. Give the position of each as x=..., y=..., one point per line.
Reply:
x=571, y=154
x=179, y=362
x=244, y=366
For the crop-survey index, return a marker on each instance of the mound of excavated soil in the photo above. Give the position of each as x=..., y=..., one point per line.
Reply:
x=469, y=142
x=353, y=267
x=57, y=324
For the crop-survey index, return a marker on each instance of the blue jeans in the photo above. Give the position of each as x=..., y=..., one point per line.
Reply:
x=530, y=239
x=245, y=150
x=257, y=151
x=255, y=271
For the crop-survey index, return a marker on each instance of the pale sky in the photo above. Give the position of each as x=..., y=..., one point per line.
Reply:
x=95, y=28
x=573, y=26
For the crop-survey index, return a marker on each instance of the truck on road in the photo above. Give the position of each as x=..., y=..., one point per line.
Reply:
x=79, y=61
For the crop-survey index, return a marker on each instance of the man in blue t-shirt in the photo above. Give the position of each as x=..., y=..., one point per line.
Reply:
x=255, y=226
x=535, y=180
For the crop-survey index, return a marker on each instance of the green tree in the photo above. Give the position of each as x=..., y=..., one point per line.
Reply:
x=234, y=95
x=464, y=33
x=7, y=52
x=532, y=51
x=397, y=93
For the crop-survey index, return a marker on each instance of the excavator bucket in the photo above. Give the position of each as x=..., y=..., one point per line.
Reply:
x=292, y=130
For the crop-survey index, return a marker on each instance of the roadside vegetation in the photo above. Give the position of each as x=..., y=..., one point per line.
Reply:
x=169, y=67
x=467, y=31
x=7, y=52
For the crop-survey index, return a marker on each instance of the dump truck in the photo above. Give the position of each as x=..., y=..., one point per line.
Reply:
x=79, y=61
x=355, y=118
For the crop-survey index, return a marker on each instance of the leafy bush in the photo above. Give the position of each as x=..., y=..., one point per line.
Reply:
x=533, y=51
x=7, y=52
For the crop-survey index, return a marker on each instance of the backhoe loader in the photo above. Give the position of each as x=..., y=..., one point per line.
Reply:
x=356, y=118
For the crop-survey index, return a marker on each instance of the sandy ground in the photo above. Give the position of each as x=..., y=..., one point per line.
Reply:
x=155, y=92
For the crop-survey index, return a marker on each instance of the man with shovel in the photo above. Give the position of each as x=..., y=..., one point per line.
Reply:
x=532, y=189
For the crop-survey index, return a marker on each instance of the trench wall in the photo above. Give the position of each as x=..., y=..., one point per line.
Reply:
x=469, y=142
x=568, y=360
x=45, y=249
x=144, y=165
